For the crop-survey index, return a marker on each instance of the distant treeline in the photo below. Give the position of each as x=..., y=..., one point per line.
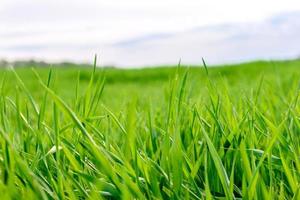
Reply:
x=34, y=63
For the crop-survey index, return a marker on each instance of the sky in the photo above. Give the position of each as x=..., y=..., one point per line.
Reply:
x=74, y=30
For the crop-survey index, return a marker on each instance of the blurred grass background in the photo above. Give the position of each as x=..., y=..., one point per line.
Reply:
x=150, y=84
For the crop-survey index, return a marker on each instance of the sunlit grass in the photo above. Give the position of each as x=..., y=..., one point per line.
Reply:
x=222, y=133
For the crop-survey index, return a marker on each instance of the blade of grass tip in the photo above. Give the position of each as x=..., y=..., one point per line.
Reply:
x=170, y=103
x=95, y=149
x=182, y=88
x=43, y=106
x=173, y=85
x=24, y=88
x=205, y=66
x=68, y=110
x=177, y=70
x=87, y=95
x=94, y=70
x=25, y=122
x=97, y=96
x=218, y=164
x=95, y=63
x=179, y=63
x=259, y=88
x=115, y=119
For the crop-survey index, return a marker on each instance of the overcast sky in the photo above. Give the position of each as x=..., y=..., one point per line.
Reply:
x=39, y=28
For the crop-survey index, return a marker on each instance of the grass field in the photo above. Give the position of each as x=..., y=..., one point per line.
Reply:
x=227, y=132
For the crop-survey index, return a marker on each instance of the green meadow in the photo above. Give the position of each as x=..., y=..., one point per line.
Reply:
x=175, y=132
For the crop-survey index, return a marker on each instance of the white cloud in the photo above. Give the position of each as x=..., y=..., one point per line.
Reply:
x=79, y=24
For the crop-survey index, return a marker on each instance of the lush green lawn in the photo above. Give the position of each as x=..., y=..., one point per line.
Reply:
x=151, y=84
x=167, y=132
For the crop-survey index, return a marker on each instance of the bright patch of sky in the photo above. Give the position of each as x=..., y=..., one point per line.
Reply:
x=39, y=28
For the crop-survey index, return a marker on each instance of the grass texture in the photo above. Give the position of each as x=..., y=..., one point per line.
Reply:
x=163, y=133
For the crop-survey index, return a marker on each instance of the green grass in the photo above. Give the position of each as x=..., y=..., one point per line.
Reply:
x=159, y=133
